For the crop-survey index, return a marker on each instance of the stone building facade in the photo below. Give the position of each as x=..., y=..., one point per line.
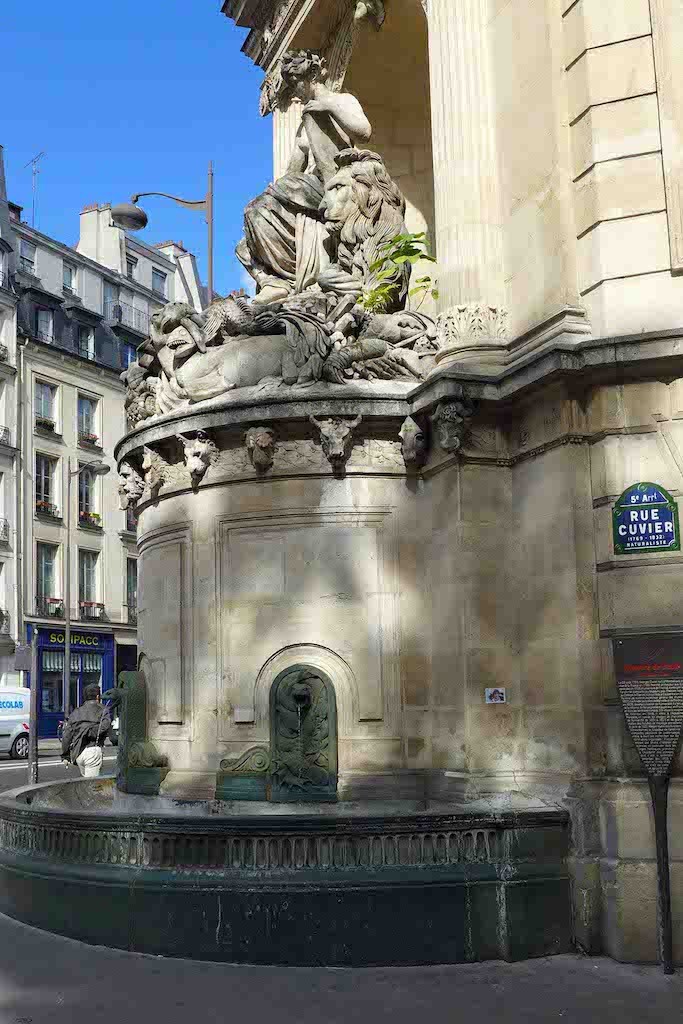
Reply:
x=72, y=319
x=538, y=143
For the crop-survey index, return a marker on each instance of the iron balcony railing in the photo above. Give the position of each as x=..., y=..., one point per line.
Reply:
x=91, y=610
x=132, y=616
x=50, y=607
x=4, y=620
x=4, y=531
x=126, y=315
x=5, y=436
x=5, y=281
x=47, y=336
x=28, y=266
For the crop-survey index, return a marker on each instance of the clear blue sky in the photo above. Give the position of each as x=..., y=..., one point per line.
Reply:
x=130, y=96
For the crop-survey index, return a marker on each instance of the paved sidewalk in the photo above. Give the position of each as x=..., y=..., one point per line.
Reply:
x=45, y=979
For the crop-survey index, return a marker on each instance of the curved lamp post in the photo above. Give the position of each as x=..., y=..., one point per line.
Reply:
x=132, y=217
x=99, y=468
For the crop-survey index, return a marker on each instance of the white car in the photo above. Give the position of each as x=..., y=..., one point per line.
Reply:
x=15, y=707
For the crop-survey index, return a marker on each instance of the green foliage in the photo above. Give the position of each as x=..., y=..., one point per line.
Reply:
x=394, y=254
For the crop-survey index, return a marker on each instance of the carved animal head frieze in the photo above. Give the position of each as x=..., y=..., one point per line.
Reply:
x=199, y=453
x=261, y=448
x=451, y=421
x=414, y=444
x=131, y=486
x=336, y=438
x=153, y=470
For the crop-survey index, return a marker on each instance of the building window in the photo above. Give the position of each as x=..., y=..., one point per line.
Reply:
x=159, y=283
x=132, y=589
x=46, y=486
x=129, y=354
x=45, y=401
x=131, y=266
x=87, y=420
x=86, y=342
x=47, y=601
x=110, y=296
x=27, y=256
x=131, y=521
x=45, y=324
x=89, y=606
x=68, y=277
x=87, y=497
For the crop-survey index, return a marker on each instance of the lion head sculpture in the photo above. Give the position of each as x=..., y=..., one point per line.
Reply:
x=363, y=208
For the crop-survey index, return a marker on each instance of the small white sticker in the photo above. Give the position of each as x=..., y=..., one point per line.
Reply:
x=495, y=695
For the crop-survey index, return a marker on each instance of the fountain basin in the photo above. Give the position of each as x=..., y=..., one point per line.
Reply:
x=338, y=888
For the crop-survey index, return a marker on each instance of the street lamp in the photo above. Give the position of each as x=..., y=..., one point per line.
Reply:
x=132, y=217
x=99, y=468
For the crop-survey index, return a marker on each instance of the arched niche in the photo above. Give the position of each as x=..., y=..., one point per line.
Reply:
x=303, y=736
x=315, y=657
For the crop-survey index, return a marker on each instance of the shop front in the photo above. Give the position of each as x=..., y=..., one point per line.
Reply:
x=92, y=661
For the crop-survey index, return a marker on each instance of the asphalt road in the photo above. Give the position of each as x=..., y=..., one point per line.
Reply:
x=50, y=769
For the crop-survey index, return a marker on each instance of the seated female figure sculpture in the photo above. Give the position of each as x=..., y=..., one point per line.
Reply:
x=283, y=245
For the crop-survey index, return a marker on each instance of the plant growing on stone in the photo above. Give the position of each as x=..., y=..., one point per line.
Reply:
x=406, y=248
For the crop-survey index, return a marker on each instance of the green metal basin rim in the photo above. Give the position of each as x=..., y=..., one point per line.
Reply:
x=183, y=879
x=222, y=825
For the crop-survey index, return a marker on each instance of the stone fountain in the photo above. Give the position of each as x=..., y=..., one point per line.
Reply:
x=291, y=460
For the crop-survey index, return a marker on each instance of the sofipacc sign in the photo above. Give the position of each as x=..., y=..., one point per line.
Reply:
x=645, y=518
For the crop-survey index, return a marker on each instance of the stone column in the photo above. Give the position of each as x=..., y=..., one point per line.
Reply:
x=472, y=322
x=285, y=126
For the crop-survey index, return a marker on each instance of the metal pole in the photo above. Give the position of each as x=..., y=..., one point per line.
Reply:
x=66, y=677
x=209, y=221
x=659, y=791
x=33, y=714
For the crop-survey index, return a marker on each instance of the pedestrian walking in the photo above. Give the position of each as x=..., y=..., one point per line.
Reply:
x=85, y=732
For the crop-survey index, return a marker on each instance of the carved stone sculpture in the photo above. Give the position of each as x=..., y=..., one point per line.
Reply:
x=244, y=777
x=131, y=486
x=452, y=420
x=199, y=453
x=261, y=448
x=283, y=245
x=414, y=444
x=336, y=438
x=140, y=766
x=362, y=208
x=152, y=467
x=303, y=737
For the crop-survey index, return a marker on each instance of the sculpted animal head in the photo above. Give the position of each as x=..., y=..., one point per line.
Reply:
x=261, y=447
x=131, y=486
x=177, y=327
x=199, y=453
x=362, y=209
x=407, y=329
x=336, y=437
x=414, y=444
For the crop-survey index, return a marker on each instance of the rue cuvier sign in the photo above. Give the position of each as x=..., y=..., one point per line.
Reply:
x=645, y=518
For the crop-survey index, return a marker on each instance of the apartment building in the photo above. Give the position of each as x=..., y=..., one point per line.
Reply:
x=80, y=314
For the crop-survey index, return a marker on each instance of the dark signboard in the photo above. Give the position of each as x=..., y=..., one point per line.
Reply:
x=649, y=673
x=645, y=518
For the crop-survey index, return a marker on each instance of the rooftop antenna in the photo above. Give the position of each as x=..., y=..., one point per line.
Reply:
x=34, y=173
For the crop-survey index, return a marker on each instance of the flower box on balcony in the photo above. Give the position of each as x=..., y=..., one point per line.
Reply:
x=45, y=424
x=91, y=609
x=90, y=519
x=46, y=508
x=92, y=440
x=54, y=606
